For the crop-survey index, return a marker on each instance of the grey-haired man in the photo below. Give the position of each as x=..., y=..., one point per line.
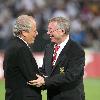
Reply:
x=63, y=63
x=19, y=63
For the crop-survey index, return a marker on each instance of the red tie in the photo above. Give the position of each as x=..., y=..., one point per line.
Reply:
x=56, y=47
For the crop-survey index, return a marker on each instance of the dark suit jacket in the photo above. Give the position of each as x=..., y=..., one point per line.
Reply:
x=65, y=79
x=20, y=67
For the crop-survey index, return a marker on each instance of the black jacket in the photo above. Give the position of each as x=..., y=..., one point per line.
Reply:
x=20, y=67
x=65, y=79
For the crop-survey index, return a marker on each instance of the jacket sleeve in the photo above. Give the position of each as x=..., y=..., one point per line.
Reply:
x=27, y=64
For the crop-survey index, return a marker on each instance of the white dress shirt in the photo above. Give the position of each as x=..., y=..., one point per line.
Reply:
x=61, y=47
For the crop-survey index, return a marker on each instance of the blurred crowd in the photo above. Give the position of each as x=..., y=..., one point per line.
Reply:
x=84, y=15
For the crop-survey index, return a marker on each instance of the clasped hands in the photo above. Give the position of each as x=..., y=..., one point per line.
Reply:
x=38, y=82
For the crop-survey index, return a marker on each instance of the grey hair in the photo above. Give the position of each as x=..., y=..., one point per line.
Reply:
x=62, y=23
x=23, y=23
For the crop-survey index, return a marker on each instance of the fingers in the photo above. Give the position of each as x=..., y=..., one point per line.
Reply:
x=35, y=84
x=33, y=81
x=38, y=82
x=38, y=75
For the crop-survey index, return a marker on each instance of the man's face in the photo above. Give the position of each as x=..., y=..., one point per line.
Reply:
x=54, y=33
x=32, y=33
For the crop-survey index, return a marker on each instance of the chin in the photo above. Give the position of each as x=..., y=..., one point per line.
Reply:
x=53, y=40
x=33, y=41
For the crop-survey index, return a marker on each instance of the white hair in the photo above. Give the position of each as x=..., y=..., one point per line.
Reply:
x=62, y=23
x=23, y=23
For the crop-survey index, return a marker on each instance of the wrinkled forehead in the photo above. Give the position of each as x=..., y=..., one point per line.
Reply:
x=52, y=24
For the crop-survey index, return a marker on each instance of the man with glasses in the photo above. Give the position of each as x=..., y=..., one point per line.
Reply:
x=63, y=64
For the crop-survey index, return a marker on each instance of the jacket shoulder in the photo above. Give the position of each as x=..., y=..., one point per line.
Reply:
x=14, y=44
x=76, y=48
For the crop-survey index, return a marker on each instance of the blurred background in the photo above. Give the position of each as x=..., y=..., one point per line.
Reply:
x=85, y=29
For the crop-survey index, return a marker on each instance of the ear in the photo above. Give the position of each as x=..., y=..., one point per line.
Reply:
x=62, y=32
x=24, y=33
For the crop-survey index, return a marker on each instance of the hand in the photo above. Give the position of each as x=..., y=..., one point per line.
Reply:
x=38, y=82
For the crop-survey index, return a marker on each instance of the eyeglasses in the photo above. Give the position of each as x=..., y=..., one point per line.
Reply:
x=51, y=31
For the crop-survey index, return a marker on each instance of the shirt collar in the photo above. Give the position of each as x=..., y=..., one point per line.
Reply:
x=24, y=41
x=65, y=41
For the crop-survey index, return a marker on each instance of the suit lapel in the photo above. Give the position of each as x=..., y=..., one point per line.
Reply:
x=62, y=55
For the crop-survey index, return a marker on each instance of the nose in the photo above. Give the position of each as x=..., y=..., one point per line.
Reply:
x=48, y=32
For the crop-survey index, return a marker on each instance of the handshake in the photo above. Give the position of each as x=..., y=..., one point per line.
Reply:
x=38, y=82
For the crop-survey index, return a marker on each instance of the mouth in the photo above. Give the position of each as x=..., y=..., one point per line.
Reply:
x=51, y=36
